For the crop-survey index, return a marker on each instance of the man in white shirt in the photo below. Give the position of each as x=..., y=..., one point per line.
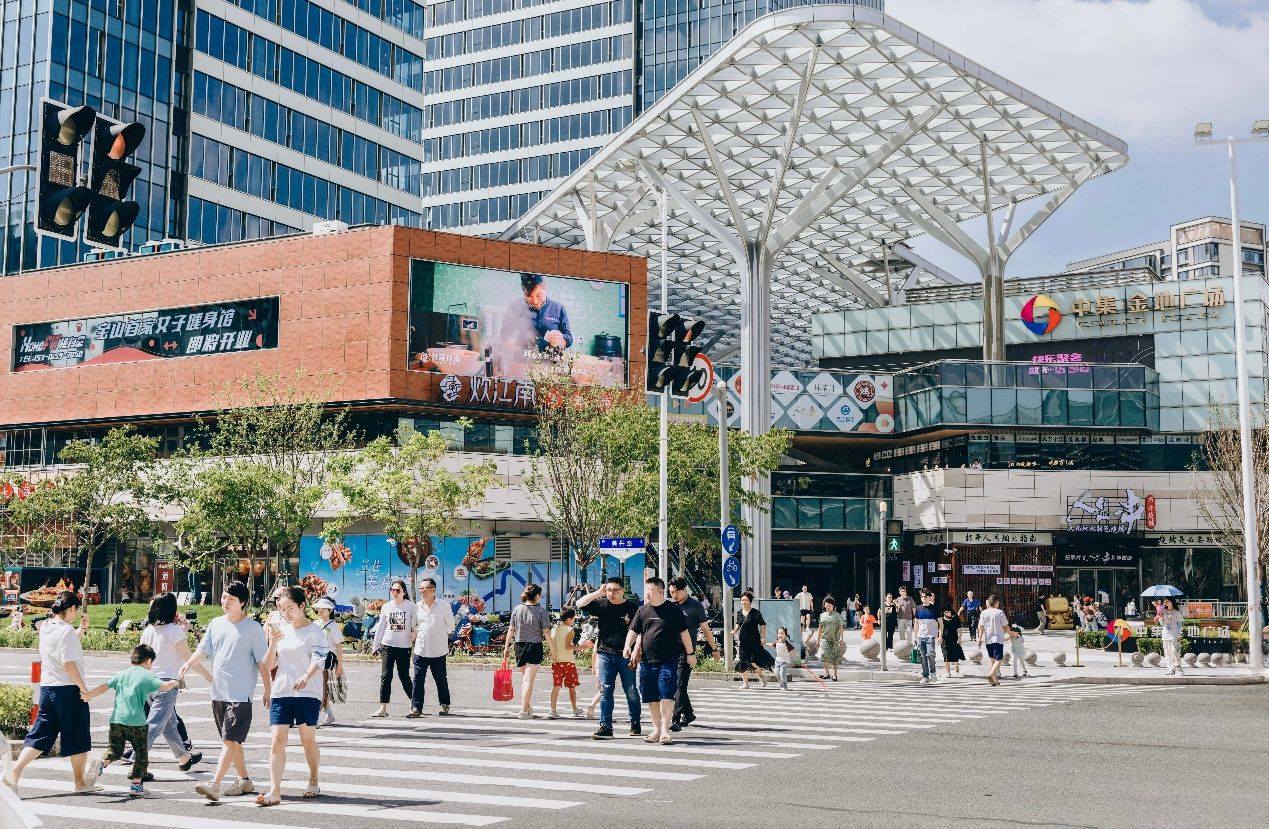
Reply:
x=991, y=632
x=806, y=606
x=431, y=646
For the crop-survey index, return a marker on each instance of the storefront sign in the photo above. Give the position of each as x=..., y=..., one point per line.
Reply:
x=980, y=569
x=488, y=392
x=1169, y=306
x=918, y=577
x=907, y=570
x=164, y=577
x=1013, y=581
x=1015, y=538
x=194, y=331
x=1030, y=568
x=1093, y=559
x=1105, y=511
x=1189, y=540
x=939, y=580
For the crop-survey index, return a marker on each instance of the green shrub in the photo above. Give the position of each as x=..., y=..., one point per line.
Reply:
x=24, y=638
x=15, y=710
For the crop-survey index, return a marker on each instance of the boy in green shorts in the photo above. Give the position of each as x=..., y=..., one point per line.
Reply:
x=128, y=720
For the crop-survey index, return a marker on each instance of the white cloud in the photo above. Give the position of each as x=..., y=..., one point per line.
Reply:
x=1145, y=71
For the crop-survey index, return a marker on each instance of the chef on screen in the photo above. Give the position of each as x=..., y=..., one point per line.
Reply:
x=535, y=324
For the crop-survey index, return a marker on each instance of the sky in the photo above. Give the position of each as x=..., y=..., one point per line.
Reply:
x=1146, y=71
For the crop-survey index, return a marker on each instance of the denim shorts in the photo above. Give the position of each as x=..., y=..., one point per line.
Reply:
x=291, y=711
x=658, y=680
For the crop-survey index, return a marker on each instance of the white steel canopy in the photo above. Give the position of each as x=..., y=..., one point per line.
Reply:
x=808, y=147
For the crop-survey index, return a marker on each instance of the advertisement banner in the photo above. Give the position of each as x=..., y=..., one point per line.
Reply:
x=193, y=331
x=164, y=577
x=470, y=323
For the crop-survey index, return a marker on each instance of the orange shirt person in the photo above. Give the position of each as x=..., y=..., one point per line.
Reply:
x=867, y=622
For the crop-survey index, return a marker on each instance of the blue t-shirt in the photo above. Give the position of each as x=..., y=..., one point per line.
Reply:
x=927, y=622
x=235, y=652
x=971, y=605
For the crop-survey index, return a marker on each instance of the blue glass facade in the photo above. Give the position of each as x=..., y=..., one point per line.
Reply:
x=118, y=57
x=675, y=36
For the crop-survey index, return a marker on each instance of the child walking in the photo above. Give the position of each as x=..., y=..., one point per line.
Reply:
x=128, y=719
x=784, y=654
x=867, y=622
x=564, y=668
x=1017, y=650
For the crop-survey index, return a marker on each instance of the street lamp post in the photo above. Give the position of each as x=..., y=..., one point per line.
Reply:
x=881, y=578
x=1251, y=545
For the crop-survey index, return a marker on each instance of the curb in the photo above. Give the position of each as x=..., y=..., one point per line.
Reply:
x=1163, y=680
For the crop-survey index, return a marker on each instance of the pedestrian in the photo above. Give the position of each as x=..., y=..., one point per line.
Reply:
x=1042, y=618
x=750, y=633
x=1130, y=609
x=564, y=663
x=970, y=609
x=1018, y=650
x=991, y=633
x=657, y=637
x=905, y=612
x=830, y=639
x=852, y=607
x=63, y=712
x=867, y=622
x=333, y=670
x=237, y=648
x=435, y=620
x=785, y=651
x=1171, y=619
x=394, y=637
x=614, y=614
x=697, y=618
x=806, y=606
x=929, y=630
x=530, y=627
x=297, y=653
x=166, y=637
x=953, y=654
x=890, y=620
x=127, y=718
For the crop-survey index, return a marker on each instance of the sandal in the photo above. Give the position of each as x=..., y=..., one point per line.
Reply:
x=312, y=791
x=265, y=800
x=652, y=738
x=667, y=740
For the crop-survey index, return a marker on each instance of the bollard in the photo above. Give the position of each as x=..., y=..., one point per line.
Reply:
x=1077, y=651
x=35, y=691
x=1120, y=644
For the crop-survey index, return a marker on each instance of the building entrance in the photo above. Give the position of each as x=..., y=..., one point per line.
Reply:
x=1110, y=586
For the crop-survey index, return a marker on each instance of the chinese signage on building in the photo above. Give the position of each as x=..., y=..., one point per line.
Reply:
x=1171, y=306
x=195, y=331
x=1069, y=558
x=1189, y=540
x=1111, y=512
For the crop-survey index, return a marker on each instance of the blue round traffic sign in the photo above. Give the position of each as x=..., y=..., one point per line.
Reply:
x=731, y=540
x=731, y=571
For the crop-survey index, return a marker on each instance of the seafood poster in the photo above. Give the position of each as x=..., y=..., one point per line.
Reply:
x=364, y=566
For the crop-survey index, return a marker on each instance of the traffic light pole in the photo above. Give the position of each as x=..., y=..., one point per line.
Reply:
x=724, y=515
x=663, y=519
x=881, y=581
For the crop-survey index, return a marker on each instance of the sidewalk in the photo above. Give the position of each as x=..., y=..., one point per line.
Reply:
x=1097, y=666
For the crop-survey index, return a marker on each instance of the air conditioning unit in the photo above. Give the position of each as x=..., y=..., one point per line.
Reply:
x=327, y=228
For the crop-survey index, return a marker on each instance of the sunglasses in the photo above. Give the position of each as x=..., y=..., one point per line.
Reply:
x=396, y=590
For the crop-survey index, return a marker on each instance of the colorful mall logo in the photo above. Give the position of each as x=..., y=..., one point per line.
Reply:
x=1041, y=315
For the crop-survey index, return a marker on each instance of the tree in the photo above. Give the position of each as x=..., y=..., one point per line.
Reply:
x=1218, y=495
x=261, y=473
x=587, y=454
x=410, y=490
x=102, y=497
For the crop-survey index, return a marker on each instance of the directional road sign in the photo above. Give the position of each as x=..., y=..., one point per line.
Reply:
x=731, y=540
x=731, y=571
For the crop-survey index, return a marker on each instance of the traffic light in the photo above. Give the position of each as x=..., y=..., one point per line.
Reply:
x=110, y=213
x=62, y=199
x=894, y=535
x=671, y=354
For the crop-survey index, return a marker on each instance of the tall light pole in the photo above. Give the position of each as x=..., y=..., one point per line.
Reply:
x=663, y=442
x=881, y=578
x=1251, y=544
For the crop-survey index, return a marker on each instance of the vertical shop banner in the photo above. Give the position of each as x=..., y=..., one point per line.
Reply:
x=193, y=331
x=164, y=577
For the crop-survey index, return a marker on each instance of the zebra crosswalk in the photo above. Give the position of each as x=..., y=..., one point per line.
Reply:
x=484, y=766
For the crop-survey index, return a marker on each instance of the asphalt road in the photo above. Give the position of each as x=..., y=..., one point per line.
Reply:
x=857, y=754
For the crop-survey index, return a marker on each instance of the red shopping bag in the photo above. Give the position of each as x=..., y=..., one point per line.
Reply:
x=502, y=689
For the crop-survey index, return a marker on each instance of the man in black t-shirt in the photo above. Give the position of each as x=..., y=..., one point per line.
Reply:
x=609, y=606
x=658, y=637
x=696, y=617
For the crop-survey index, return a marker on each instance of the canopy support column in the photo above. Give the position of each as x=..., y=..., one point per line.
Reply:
x=755, y=405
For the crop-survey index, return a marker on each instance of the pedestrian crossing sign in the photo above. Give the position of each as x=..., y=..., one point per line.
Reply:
x=894, y=544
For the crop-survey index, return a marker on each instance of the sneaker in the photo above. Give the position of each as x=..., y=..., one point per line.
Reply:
x=127, y=754
x=444, y=710
x=243, y=786
x=330, y=717
x=688, y=719
x=136, y=790
x=380, y=714
x=414, y=714
x=554, y=715
x=676, y=727
x=194, y=759
x=635, y=730
x=604, y=733
x=93, y=771
x=211, y=791
x=1173, y=671
x=579, y=714
x=925, y=680
x=526, y=715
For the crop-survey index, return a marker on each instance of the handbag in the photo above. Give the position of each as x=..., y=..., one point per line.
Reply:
x=503, y=690
x=337, y=689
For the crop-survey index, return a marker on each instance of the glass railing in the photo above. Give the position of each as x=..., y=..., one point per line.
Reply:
x=825, y=514
x=971, y=393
